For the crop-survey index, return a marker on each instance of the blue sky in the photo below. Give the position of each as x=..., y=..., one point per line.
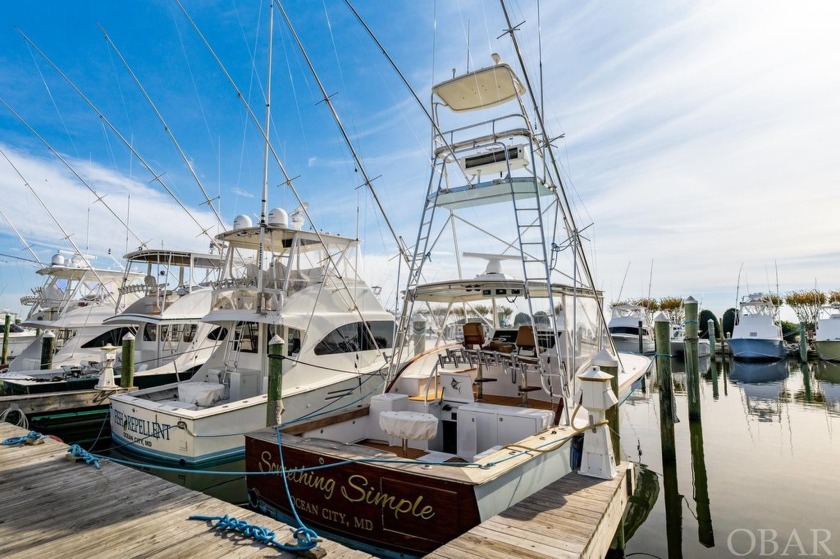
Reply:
x=700, y=137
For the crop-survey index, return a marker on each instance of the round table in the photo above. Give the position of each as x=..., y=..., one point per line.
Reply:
x=409, y=425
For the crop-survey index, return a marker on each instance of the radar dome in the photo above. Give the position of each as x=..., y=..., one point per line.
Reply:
x=58, y=260
x=278, y=217
x=241, y=222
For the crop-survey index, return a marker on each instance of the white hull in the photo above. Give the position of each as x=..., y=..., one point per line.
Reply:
x=630, y=344
x=205, y=436
x=828, y=350
x=704, y=348
x=757, y=348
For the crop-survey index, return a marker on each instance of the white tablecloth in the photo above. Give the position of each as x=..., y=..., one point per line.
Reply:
x=409, y=424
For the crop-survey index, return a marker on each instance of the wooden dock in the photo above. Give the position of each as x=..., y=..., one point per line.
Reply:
x=33, y=404
x=576, y=516
x=52, y=507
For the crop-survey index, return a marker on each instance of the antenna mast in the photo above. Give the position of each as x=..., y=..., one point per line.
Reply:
x=264, y=205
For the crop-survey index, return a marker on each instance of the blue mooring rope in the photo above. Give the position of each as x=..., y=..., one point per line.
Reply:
x=307, y=539
x=30, y=436
x=89, y=458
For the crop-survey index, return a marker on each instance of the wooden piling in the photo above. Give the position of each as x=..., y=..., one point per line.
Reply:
x=806, y=380
x=662, y=335
x=710, y=327
x=692, y=359
x=274, y=409
x=127, y=368
x=641, y=339
x=47, y=345
x=803, y=343
x=6, y=330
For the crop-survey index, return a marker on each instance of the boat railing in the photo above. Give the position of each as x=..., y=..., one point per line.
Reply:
x=491, y=130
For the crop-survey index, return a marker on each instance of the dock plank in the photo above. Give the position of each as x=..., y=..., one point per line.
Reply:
x=53, y=507
x=576, y=516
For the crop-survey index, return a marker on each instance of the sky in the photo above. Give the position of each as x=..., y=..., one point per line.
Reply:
x=700, y=138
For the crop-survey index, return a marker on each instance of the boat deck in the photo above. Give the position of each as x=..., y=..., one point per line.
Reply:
x=57, y=508
x=576, y=516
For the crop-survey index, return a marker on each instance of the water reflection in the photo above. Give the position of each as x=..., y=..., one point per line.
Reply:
x=762, y=385
x=827, y=375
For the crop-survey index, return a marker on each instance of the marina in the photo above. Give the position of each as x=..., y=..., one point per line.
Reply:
x=309, y=299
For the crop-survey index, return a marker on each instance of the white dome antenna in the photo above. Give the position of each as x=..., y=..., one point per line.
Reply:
x=277, y=217
x=242, y=222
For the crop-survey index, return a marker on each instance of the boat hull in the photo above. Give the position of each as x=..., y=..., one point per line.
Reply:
x=828, y=350
x=678, y=348
x=215, y=434
x=757, y=349
x=394, y=511
x=630, y=344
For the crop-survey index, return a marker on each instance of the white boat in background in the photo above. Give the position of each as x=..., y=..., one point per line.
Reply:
x=164, y=313
x=757, y=334
x=628, y=324
x=827, y=336
x=73, y=303
x=337, y=338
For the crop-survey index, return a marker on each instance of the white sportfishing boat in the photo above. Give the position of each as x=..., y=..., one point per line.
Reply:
x=757, y=334
x=170, y=341
x=630, y=328
x=286, y=293
x=72, y=304
x=827, y=336
x=462, y=432
x=337, y=337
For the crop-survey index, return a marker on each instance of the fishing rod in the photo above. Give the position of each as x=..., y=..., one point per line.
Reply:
x=288, y=180
x=99, y=198
x=22, y=240
x=167, y=128
x=327, y=99
x=157, y=177
x=67, y=235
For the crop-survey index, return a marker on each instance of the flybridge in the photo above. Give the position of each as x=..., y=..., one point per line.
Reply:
x=514, y=157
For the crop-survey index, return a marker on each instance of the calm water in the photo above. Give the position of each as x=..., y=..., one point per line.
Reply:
x=759, y=475
x=761, y=468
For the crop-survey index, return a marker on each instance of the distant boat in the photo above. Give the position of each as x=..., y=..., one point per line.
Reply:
x=624, y=327
x=704, y=348
x=171, y=342
x=827, y=337
x=757, y=334
x=73, y=303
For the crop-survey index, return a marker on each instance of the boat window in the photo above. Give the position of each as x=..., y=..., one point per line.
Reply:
x=293, y=338
x=189, y=332
x=111, y=337
x=624, y=330
x=217, y=333
x=354, y=337
x=150, y=333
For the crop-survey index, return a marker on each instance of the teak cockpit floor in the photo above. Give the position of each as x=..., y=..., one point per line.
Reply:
x=413, y=453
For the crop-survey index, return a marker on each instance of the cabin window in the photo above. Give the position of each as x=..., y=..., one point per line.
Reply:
x=111, y=337
x=354, y=337
x=624, y=330
x=150, y=333
x=293, y=339
x=189, y=332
